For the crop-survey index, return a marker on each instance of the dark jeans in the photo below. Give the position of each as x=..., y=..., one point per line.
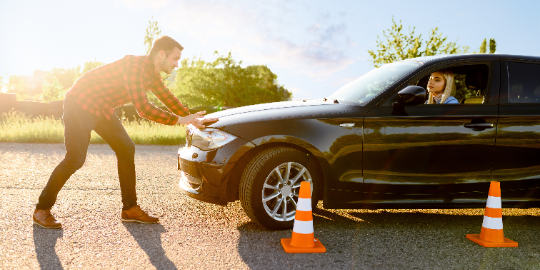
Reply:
x=78, y=125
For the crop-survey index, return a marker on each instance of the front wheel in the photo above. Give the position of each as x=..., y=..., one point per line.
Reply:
x=270, y=185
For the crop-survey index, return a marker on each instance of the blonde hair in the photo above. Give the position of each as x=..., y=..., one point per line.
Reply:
x=449, y=86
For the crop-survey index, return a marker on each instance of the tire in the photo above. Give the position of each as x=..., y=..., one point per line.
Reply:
x=261, y=178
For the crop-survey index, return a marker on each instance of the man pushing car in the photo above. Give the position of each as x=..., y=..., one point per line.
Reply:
x=89, y=105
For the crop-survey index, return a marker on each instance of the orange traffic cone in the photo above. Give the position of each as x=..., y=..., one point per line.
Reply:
x=303, y=239
x=491, y=234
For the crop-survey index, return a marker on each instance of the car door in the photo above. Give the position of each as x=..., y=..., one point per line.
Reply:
x=517, y=152
x=432, y=153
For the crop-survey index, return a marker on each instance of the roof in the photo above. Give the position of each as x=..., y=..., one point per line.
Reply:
x=446, y=57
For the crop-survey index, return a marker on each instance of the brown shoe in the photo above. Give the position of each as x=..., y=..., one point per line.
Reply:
x=45, y=219
x=136, y=214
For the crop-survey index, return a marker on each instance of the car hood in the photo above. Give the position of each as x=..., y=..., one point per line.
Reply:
x=280, y=110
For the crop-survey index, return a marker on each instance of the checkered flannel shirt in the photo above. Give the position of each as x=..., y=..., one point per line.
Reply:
x=104, y=88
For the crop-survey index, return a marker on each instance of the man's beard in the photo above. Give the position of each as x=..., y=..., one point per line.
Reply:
x=165, y=66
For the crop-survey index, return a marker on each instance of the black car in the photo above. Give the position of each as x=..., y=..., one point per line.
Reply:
x=375, y=143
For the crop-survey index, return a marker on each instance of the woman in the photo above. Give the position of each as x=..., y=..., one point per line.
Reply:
x=440, y=87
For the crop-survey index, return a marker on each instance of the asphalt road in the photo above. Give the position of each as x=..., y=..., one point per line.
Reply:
x=197, y=235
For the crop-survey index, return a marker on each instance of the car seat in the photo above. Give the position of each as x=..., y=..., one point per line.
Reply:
x=476, y=81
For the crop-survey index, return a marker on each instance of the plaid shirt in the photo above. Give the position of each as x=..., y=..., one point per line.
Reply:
x=104, y=88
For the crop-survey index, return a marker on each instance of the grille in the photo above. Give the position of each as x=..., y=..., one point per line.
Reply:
x=189, y=168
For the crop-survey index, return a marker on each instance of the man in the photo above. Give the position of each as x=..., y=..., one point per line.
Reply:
x=89, y=105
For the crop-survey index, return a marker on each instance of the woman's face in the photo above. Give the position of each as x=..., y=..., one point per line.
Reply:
x=436, y=83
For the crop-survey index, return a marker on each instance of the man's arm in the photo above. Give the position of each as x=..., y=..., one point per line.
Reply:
x=164, y=94
x=168, y=99
x=133, y=79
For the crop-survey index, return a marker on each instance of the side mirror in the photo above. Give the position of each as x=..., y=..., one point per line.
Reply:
x=412, y=95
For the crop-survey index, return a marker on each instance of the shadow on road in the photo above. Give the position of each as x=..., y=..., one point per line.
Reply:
x=148, y=236
x=44, y=243
x=389, y=239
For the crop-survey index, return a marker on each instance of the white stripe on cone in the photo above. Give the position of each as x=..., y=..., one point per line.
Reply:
x=493, y=202
x=304, y=227
x=303, y=204
x=492, y=223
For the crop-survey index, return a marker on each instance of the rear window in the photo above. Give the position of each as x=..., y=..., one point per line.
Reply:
x=523, y=82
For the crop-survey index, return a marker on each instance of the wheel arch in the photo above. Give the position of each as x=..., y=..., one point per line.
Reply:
x=266, y=142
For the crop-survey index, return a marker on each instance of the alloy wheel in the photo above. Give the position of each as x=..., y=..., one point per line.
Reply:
x=280, y=190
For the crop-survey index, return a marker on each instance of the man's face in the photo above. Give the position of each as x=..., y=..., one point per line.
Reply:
x=170, y=62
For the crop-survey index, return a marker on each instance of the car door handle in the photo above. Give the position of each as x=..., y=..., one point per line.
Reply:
x=346, y=125
x=479, y=125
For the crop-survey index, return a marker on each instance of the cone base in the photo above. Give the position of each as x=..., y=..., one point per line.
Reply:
x=476, y=238
x=318, y=248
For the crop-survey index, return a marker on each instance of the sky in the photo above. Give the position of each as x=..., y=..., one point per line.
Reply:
x=314, y=47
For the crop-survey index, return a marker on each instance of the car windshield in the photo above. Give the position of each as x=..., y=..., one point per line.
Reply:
x=374, y=82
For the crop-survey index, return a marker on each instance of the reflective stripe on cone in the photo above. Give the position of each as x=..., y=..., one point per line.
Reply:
x=493, y=202
x=303, y=227
x=303, y=204
x=492, y=223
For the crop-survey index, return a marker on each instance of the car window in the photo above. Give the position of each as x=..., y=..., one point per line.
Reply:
x=471, y=82
x=523, y=82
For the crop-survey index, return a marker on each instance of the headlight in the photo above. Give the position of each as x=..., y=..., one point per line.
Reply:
x=209, y=139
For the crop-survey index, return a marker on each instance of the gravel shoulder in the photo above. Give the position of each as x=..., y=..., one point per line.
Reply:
x=198, y=235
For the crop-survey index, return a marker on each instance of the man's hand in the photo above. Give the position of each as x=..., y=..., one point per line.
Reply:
x=196, y=120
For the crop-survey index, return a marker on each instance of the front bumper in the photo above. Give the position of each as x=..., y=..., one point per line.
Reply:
x=202, y=187
x=204, y=175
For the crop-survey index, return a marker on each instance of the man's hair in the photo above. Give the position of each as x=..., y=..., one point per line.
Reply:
x=164, y=43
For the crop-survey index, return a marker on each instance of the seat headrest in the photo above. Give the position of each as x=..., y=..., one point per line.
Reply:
x=476, y=80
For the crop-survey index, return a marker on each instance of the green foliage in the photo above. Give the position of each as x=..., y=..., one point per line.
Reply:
x=152, y=32
x=462, y=92
x=224, y=82
x=397, y=45
x=483, y=47
x=19, y=128
x=492, y=45
x=53, y=91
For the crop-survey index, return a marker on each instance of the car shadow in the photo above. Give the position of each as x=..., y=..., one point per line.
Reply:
x=260, y=247
x=394, y=239
x=44, y=243
x=148, y=236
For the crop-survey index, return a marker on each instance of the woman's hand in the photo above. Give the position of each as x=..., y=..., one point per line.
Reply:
x=196, y=119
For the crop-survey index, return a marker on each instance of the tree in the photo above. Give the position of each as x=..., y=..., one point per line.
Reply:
x=492, y=46
x=224, y=82
x=53, y=91
x=65, y=76
x=18, y=86
x=152, y=32
x=396, y=45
